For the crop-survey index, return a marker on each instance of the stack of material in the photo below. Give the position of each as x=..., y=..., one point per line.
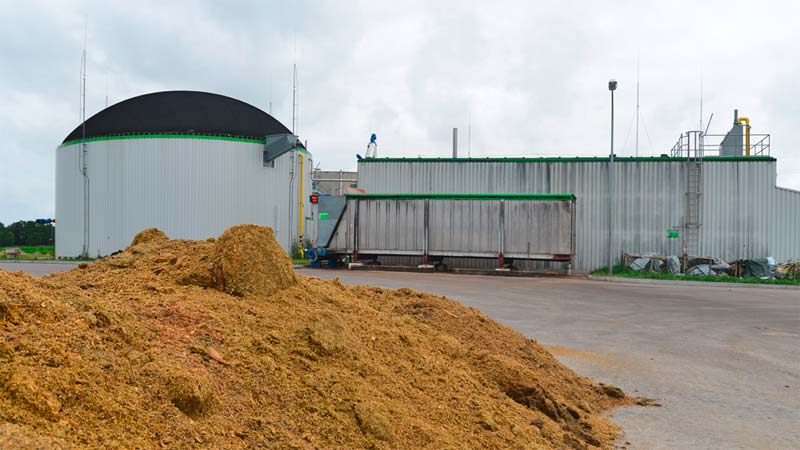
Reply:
x=764, y=268
x=219, y=344
x=789, y=270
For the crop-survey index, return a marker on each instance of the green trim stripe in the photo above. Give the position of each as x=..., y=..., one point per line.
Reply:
x=163, y=136
x=463, y=196
x=172, y=136
x=623, y=159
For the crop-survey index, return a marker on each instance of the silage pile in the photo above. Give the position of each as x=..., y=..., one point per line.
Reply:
x=219, y=344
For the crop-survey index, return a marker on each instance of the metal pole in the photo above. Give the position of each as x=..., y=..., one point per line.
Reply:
x=611, y=194
x=637, y=108
x=84, y=148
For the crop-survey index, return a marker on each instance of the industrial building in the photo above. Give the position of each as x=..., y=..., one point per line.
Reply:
x=189, y=163
x=721, y=206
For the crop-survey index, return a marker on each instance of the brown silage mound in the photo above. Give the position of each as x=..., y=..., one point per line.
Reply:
x=215, y=344
x=249, y=261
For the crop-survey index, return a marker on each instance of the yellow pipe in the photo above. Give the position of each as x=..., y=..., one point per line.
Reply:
x=300, y=198
x=746, y=134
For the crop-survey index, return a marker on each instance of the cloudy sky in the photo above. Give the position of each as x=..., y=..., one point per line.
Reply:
x=529, y=77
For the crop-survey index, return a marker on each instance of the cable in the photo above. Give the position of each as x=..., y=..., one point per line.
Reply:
x=628, y=134
x=647, y=133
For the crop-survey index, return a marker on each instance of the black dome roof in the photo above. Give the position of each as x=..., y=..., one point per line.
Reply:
x=181, y=112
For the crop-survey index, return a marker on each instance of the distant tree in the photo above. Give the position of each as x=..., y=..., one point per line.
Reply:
x=6, y=237
x=28, y=232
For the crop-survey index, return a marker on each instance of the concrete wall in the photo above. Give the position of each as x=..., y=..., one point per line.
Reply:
x=743, y=214
x=188, y=188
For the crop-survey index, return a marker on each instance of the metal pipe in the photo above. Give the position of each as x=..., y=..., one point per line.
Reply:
x=426, y=232
x=746, y=133
x=292, y=154
x=502, y=236
x=300, y=207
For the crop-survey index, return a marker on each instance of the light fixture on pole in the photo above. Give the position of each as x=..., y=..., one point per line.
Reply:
x=612, y=86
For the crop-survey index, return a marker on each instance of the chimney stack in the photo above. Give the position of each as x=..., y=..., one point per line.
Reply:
x=455, y=142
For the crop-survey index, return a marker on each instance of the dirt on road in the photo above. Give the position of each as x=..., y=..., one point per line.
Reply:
x=220, y=344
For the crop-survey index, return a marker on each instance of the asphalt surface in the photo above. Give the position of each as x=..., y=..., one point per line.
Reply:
x=37, y=268
x=724, y=362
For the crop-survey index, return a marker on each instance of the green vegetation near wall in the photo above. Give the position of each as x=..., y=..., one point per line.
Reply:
x=621, y=271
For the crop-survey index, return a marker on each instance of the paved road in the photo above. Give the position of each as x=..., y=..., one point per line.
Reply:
x=37, y=268
x=723, y=362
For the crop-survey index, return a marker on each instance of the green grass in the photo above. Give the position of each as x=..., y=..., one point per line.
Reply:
x=621, y=271
x=41, y=249
x=38, y=252
x=303, y=261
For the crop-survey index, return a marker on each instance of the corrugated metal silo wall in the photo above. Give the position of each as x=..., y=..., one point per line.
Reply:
x=69, y=202
x=649, y=200
x=188, y=188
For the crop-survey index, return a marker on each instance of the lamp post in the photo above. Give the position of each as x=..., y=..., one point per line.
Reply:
x=612, y=86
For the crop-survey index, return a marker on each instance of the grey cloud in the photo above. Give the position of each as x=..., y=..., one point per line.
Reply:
x=530, y=75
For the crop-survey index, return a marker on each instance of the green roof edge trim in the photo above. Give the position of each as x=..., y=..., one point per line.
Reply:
x=463, y=196
x=208, y=137
x=621, y=159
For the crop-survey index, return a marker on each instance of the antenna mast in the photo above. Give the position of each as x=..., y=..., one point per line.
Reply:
x=84, y=148
x=294, y=100
x=637, y=105
x=469, y=137
x=701, y=100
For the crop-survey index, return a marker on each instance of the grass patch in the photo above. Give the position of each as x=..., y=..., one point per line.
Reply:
x=621, y=271
x=36, y=253
x=40, y=249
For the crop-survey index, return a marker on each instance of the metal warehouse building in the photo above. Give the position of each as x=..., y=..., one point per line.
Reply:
x=189, y=163
x=727, y=207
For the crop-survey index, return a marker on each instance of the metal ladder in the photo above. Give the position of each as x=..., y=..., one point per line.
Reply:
x=694, y=194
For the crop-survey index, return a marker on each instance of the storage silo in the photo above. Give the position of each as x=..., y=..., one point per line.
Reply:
x=189, y=163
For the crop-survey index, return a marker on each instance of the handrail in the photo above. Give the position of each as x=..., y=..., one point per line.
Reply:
x=693, y=143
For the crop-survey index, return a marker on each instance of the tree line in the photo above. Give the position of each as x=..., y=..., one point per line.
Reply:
x=28, y=233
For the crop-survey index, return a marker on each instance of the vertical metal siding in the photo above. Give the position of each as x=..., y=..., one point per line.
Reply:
x=743, y=213
x=188, y=188
x=457, y=227
x=746, y=216
x=69, y=202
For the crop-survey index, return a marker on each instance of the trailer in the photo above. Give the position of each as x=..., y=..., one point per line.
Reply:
x=504, y=227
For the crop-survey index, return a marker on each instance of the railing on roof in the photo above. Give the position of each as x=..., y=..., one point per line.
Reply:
x=693, y=144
